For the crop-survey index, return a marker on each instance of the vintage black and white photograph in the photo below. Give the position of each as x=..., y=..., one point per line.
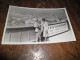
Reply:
x=37, y=25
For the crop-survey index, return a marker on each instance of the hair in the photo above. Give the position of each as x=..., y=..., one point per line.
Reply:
x=43, y=19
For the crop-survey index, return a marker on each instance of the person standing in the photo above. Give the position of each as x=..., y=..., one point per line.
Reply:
x=44, y=28
x=36, y=29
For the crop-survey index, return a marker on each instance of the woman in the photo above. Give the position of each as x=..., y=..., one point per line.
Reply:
x=45, y=29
